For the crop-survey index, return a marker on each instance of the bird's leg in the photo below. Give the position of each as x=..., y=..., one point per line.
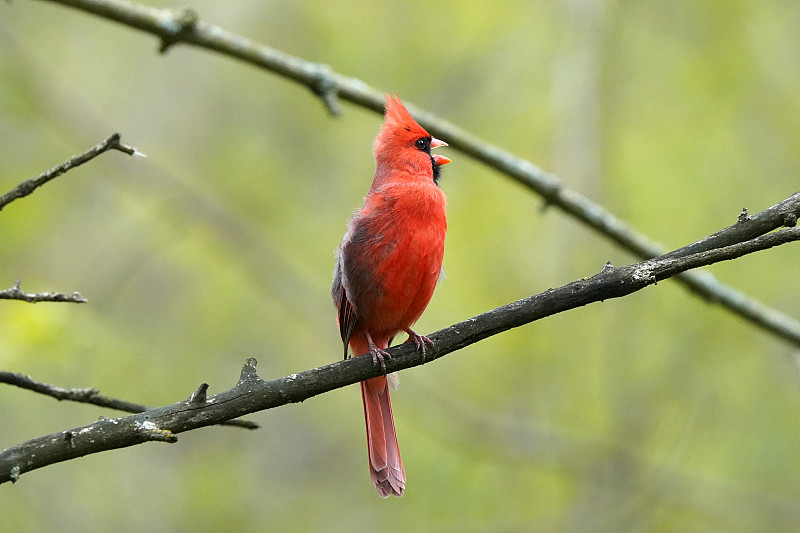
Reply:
x=379, y=355
x=419, y=340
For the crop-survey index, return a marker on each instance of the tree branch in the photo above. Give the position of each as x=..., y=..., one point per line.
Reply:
x=91, y=396
x=27, y=187
x=15, y=293
x=252, y=394
x=186, y=28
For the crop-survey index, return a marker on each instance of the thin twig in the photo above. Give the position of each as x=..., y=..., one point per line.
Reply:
x=184, y=27
x=91, y=396
x=252, y=394
x=15, y=293
x=27, y=187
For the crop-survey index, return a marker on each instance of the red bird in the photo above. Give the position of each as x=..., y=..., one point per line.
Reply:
x=386, y=269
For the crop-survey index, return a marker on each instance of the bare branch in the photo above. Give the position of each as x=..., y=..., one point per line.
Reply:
x=252, y=394
x=15, y=293
x=186, y=28
x=783, y=214
x=27, y=187
x=91, y=396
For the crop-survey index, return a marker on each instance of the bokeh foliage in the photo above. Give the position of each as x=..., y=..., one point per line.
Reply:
x=657, y=412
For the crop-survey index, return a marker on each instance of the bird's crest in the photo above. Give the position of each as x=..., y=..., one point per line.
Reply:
x=398, y=123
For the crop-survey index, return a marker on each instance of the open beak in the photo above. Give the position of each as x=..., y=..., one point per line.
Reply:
x=439, y=159
x=436, y=143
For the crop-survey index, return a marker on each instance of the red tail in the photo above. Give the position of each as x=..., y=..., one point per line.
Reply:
x=385, y=466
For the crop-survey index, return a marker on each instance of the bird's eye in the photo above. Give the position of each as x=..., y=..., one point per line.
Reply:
x=421, y=143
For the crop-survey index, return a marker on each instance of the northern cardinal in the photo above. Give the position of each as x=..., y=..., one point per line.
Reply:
x=386, y=269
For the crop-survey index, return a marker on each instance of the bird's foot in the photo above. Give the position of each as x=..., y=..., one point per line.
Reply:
x=379, y=355
x=420, y=341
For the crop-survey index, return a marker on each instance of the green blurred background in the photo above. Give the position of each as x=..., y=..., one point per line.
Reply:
x=656, y=412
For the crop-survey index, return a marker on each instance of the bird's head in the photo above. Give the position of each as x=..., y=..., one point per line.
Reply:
x=402, y=143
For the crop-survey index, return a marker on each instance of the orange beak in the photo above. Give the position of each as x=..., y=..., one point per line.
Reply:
x=440, y=159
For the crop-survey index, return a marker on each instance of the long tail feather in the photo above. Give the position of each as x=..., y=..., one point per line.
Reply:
x=385, y=465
